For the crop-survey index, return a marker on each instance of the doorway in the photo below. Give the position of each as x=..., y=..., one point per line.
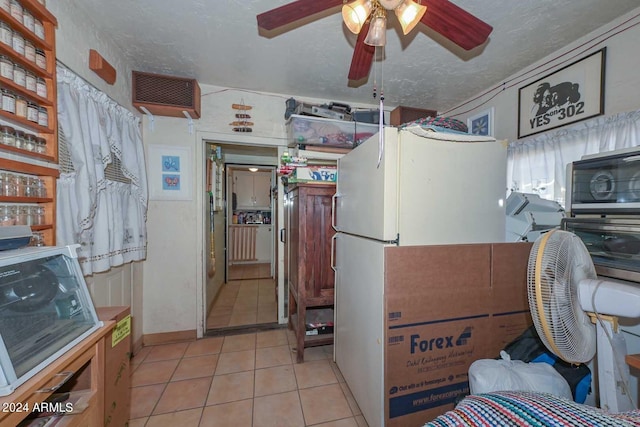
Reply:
x=243, y=294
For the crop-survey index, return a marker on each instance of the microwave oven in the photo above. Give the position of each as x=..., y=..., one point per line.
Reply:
x=45, y=310
x=613, y=243
x=605, y=184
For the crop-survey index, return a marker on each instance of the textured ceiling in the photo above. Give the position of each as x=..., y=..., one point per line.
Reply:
x=218, y=43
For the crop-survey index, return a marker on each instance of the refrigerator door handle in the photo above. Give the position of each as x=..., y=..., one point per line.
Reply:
x=333, y=211
x=333, y=251
x=283, y=235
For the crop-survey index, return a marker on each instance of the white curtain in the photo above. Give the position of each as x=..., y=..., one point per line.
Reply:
x=106, y=217
x=538, y=164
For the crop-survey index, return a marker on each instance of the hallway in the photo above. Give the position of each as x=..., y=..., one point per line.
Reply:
x=245, y=302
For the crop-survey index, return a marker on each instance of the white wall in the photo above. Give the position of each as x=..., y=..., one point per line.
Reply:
x=622, y=81
x=174, y=273
x=622, y=86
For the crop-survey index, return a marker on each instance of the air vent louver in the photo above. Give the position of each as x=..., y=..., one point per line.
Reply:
x=166, y=95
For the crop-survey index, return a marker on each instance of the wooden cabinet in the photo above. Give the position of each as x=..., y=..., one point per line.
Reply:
x=117, y=366
x=80, y=372
x=253, y=189
x=310, y=276
x=401, y=115
x=35, y=33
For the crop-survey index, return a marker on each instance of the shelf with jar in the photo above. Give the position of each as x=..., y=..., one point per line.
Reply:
x=27, y=197
x=27, y=79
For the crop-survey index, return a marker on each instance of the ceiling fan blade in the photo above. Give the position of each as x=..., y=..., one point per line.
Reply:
x=362, y=56
x=455, y=23
x=291, y=12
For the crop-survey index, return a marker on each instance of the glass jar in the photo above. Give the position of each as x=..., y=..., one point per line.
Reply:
x=6, y=34
x=7, y=136
x=5, y=216
x=37, y=239
x=30, y=81
x=18, y=183
x=41, y=189
x=38, y=28
x=41, y=87
x=17, y=42
x=43, y=117
x=32, y=114
x=38, y=215
x=6, y=67
x=22, y=215
x=27, y=20
x=41, y=59
x=41, y=147
x=29, y=143
x=21, y=107
x=19, y=75
x=16, y=10
x=19, y=138
x=29, y=51
x=8, y=186
x=8, y=101
x=5, y=5
x=4, y=182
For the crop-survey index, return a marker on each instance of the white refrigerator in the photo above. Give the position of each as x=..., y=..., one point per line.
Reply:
x=425, y=190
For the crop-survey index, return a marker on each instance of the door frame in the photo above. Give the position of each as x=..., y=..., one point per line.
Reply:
x=204, y=139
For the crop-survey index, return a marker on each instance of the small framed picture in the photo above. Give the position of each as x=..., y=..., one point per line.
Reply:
x=481, y=123
x=169, y=172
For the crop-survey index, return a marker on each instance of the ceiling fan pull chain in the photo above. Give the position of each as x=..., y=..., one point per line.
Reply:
x=381, y=116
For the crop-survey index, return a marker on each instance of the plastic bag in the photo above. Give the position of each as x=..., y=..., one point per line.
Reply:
x=488, y=375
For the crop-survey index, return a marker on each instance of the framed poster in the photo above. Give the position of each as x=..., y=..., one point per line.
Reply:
x=568, y=95
x=481, y=123
x=169, y=172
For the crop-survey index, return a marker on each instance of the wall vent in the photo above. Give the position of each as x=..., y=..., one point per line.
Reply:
x=166, y=95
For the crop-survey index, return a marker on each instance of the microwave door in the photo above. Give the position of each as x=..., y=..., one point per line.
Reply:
x=614, y=249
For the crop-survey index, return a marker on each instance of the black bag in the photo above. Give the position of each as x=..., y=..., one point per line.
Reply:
x=528, y=347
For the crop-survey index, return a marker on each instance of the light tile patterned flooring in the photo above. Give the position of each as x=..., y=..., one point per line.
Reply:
x=248, y=380
x=244, y=302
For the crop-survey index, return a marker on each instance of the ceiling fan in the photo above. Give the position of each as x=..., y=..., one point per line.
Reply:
x=367, y=18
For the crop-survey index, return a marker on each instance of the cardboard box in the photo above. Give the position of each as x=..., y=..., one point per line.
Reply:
x=445, y=307
x=117, y=391
x=314, y=173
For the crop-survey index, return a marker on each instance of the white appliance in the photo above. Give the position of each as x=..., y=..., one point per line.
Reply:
x=529, y=216
x=427, y=190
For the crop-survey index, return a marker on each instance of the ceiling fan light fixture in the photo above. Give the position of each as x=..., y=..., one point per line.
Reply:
x=355, y=14
x=390, y=4
x=409, y=13
x=377, y=35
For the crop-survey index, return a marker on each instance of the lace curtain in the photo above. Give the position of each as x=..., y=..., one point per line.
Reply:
x=106, y=217
x=538, y=165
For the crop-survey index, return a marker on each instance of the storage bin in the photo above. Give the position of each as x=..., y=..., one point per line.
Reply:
x=309, y=130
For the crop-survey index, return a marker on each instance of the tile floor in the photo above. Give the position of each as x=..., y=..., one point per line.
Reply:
x=249, y=271
x=244, y=302
x=243, y=380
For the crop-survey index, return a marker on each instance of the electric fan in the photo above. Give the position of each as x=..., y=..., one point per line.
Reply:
x=566, y=298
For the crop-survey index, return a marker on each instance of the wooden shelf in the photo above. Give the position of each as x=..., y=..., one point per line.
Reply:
x=633, y=360
x=86, y=356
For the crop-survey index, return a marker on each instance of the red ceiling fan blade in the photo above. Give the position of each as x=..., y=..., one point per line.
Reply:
x=291, y=12
x=362, y=56
x=455, y=23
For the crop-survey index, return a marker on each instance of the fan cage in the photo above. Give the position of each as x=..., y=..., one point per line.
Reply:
x=557, y=263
